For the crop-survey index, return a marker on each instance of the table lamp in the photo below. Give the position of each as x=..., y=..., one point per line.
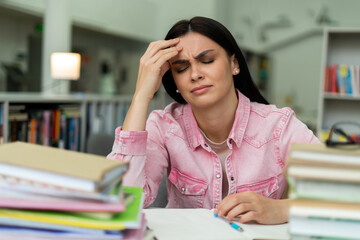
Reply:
x=65, y=66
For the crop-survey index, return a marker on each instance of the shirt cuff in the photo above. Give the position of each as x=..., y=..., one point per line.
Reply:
x=130, y=142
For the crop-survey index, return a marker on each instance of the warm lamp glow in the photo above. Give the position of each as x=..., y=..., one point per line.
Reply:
x=65, y=66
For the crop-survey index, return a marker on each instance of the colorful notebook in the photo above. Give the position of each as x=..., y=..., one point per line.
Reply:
x=130, y=218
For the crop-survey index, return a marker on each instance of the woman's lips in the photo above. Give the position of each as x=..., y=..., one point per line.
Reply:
x=200, y=89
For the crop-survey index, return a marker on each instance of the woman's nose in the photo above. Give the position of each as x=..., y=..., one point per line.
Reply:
x=196, y=73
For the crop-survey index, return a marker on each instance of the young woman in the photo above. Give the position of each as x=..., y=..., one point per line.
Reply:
x=221, y=144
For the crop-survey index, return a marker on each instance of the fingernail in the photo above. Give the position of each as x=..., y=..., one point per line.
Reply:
x=176, y=39
x=178, y=47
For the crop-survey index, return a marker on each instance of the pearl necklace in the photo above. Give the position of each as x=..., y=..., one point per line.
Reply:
x=210, y=140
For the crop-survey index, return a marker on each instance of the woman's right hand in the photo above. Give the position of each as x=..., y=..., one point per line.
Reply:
x=153, y=65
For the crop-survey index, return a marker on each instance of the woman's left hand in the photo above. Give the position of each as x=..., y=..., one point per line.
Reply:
x=253, y=207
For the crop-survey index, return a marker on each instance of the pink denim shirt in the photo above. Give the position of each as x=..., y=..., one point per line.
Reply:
x=259, y=142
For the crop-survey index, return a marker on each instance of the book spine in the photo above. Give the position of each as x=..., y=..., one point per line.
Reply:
x=334, y=86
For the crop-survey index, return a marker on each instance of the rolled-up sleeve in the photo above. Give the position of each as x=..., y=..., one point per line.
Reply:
x=145, y=152
x=128, y=143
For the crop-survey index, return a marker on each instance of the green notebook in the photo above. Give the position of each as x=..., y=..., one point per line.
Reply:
x=129, y=219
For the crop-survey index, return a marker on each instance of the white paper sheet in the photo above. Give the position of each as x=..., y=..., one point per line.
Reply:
x=174, y=224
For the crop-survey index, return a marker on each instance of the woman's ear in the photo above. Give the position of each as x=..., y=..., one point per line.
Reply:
x=234, y=64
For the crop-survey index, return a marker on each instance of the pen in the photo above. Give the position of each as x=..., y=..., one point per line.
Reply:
x=232, y=224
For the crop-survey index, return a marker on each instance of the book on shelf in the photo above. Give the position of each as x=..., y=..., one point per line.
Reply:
x=59, y=167
x=46, y=125
x=342, y=74
x=18, y=125
x=334, y=83
x=342, y=79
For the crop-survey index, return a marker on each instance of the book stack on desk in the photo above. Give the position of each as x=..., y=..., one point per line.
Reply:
x=47, y=192
x=324, y=191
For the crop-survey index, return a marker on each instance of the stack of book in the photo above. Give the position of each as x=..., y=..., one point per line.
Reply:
x=324, y=191
x=51, y=193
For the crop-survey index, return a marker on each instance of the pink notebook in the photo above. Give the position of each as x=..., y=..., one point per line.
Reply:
x=58, y=205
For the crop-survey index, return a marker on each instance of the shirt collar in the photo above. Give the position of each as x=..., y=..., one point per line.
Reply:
x=236, y=135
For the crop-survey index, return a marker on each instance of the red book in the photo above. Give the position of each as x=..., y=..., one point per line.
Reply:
x=334, y=86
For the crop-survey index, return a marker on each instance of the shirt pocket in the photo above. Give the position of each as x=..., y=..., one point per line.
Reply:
x=267, y=187
x=189, y=192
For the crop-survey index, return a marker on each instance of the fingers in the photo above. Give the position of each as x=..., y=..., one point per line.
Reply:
x=246, y=204
x=248, y=217
x=155, y=47
x=158, y=54
x=165, y=55
x=253, y=207
x=231, y=201
x=239, y=209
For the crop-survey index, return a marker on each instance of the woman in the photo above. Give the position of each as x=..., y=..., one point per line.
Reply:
x=221, y=144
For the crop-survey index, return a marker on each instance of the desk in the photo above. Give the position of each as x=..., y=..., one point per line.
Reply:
x=173, y=224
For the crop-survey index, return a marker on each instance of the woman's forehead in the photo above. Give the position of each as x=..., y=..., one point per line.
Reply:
x=194, y=44
x=194, y=39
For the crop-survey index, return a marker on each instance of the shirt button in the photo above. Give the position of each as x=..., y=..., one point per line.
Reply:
x=229, y=141
x=218, y=176
x=205, y=145
x=183, y=189
x=232, y=178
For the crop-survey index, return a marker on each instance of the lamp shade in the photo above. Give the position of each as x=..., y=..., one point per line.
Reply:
x=65, y=65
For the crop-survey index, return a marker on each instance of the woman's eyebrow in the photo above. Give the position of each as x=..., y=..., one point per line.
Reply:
x=182, y=61
x=203, y=53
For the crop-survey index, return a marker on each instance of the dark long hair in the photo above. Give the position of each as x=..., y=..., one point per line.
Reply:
x=221, y=35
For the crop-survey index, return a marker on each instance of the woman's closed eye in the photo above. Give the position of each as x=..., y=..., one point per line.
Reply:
x=208, y=61
x=184, y=68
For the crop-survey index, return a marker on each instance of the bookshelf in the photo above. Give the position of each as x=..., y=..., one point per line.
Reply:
x=341, y=47
x=32, y=118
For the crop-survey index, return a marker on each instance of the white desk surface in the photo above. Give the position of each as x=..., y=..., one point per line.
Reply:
x=173, y=224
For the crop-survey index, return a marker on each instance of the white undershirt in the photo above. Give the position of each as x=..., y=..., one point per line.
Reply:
x=222, y=150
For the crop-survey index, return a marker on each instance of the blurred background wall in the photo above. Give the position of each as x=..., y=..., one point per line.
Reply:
x=282, y=40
